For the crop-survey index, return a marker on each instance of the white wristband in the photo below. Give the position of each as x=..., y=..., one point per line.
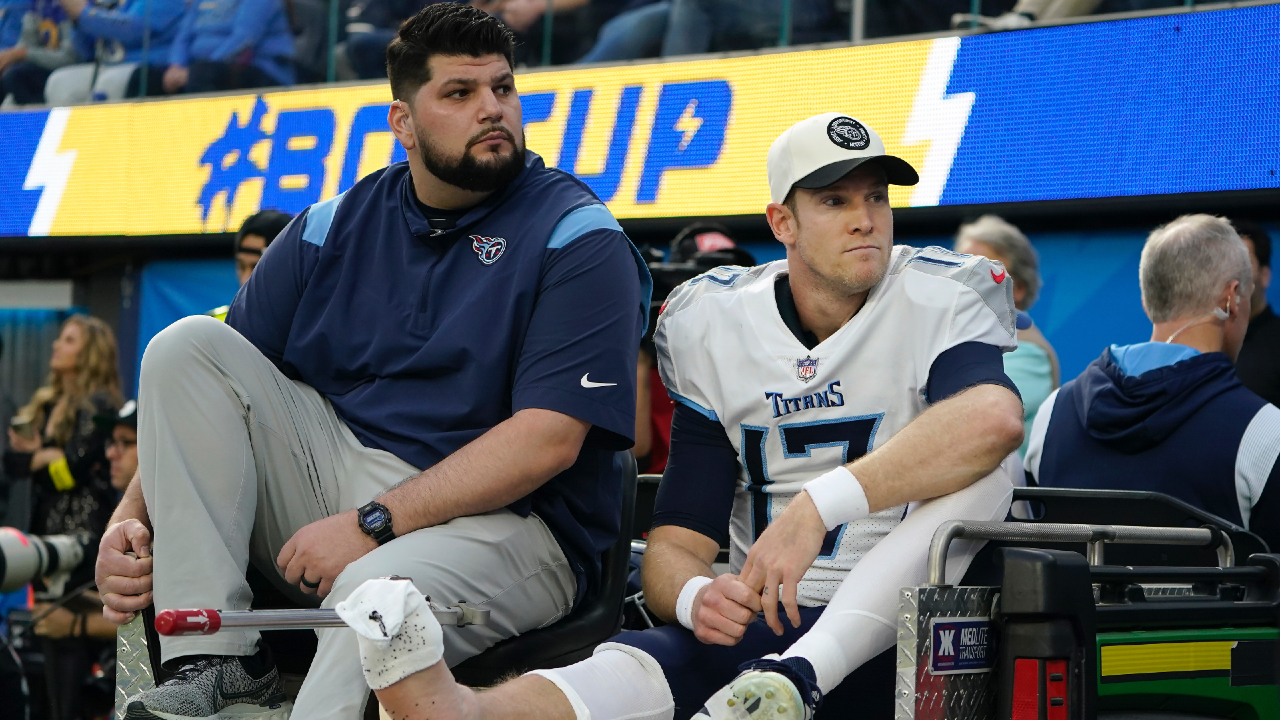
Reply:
x=839, y=497
x=684, y=603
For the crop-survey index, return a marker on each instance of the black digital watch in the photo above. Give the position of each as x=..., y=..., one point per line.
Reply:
x=375, y=521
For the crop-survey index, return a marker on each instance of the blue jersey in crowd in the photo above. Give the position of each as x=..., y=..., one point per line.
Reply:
x=236, y=30
x=423, y=338
x=1168, y=418
x=124, y=28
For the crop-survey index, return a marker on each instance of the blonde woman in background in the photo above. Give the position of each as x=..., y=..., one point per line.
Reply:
x=53, y=439
x=1033, y=367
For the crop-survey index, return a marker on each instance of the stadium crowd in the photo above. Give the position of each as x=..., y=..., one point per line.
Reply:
x=507, y=490
x=64, y=52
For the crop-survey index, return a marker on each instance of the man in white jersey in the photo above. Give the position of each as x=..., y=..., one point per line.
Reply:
x=833, y=409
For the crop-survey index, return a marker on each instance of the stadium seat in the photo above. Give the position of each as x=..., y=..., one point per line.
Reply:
x=598, y=617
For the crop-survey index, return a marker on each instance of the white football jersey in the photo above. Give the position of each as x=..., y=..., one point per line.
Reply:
x=793, y=413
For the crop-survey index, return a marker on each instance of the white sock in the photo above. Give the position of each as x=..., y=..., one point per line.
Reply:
x=618, y=682
x=861, y=620
x=398, y=633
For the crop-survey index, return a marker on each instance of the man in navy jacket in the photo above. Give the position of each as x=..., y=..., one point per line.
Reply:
x=431, y=375
x=1170, y=415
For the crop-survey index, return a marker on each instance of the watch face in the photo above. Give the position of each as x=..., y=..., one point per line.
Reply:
x=375, y=519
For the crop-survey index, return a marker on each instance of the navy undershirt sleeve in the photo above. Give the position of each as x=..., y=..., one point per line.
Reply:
x=702, y=470
x=579, y=355
x=264, y=308
x=966, y=365
x=1264, y=519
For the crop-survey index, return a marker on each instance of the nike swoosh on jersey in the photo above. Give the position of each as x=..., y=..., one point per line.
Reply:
x=999, y=278
x=588, y=384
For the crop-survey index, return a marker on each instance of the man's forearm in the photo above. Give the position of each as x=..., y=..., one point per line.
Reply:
x=506, y=463
x=669, y=563
x=949, y=447
x=132, y=505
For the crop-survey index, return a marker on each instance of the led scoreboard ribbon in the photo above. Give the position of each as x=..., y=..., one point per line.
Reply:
x=1167, y=104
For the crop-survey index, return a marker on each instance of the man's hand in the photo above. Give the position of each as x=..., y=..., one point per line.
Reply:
x=319, y=552
x=175, y=78
x=124, y=580
x=781, y=556
x=723, y=610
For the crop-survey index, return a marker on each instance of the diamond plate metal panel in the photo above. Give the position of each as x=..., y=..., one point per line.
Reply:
x=133, y=664
x=921, y=695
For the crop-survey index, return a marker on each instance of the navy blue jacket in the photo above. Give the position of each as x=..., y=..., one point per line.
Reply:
x=1189, y=429
x=425, y=339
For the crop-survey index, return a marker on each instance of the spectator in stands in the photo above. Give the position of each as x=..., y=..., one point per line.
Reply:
x=1033, y=366
x=124, y=42
x=636, y=32
x=255, y=234
x=1170, y=415
x=46, y=42
x=231, y=45
x=1259, y=362
x=699, y=26
x=371, y=26
x=57, y=444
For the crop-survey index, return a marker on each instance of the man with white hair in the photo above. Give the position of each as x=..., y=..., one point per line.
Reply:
x=1170, y=415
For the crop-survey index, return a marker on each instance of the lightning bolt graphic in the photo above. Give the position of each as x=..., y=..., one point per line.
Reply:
x=688, y=124
x=937, y=118
x=50, y=169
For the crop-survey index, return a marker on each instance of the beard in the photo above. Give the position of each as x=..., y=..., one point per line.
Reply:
x=468, y=172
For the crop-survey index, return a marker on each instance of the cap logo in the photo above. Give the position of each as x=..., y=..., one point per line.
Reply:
x=848, y=133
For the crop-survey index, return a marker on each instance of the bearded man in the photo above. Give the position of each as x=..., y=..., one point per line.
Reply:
x=430, y=375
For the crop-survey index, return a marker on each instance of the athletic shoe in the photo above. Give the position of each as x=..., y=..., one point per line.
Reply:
x=216, y=687
x=772, y=689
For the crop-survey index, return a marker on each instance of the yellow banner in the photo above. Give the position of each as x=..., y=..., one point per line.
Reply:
x=664, y=140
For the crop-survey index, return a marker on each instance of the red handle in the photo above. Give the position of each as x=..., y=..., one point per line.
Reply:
x=188, y=622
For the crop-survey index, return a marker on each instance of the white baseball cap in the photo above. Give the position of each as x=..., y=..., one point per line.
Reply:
x=820, y=150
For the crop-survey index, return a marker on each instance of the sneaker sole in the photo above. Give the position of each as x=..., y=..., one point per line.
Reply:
x=275, y=711
x=764, y=695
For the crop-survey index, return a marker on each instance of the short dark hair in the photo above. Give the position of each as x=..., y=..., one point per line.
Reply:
x=266, y=224
x=1253, y=232
x=443, y=28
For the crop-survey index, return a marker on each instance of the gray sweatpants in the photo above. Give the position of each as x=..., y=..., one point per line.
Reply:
x=235, y=458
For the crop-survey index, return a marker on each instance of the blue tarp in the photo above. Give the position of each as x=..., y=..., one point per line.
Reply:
x=174, y=289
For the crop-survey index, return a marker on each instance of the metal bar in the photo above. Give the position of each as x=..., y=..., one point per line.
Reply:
x=1060, y=533
x=1243, y=573
x=859, y=30
x=331, y=65
x=1096, y=553
x=784, y=25
x=547, y=16
x=146, y=53
x=208, y=622
x=975, y=9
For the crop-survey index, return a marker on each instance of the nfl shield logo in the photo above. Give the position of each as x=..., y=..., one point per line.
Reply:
x=807, y=368
x=489, y=249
